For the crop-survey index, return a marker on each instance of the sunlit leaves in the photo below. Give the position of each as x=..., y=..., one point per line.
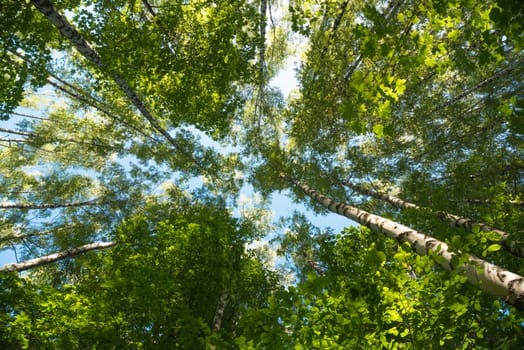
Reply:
x=168, y=272
x=24, y=54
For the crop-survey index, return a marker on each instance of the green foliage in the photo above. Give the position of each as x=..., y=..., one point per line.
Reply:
x=24, y=54
x=423, y=99
x=375, y=294
x=158, y=289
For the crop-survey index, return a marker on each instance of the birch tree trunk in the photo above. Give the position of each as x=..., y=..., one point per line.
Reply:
x=219, y=313
x=514, y=247
x=47, y=8
x=47, y=259
x=48, y=205
x=490, y=278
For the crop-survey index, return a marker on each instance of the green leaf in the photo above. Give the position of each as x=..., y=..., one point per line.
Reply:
x=378, y=130
x=494, y=247
x=439, y=259
x=400, y=86
x=454, y=34
x=406, y=246
x=392, y=330
x=493, y=236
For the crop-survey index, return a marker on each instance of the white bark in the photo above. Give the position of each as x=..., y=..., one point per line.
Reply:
x=47, y=205
x=219, y=313
x=490, y=278
x=514, y=247
x=44, y=260
x=47, y=8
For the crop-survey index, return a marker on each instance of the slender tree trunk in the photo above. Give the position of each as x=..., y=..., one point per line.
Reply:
x=19, y=237
x=487, y=202
x=262, y=30
x=490, y=278
x=81, y=96
x=48, y=205
x=94, y=104
x=219, y=313
x=47, y=8
x=149, y=8
x=16, y=237
x=29, y=116
x=479, y=85
x=10, y=140
x=514, y=247
x=47, y=259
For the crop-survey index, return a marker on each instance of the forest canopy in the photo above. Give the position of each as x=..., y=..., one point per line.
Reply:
x=142, y=142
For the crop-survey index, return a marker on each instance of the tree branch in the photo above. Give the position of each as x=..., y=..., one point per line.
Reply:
x=48, y=259
x=48, y=205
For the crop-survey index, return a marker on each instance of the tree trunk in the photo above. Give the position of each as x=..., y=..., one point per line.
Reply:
x=15, y=132
x=10, y=140
x=472, y=89
x=219, y=313
x=47, y=205
x=47, y=8
x=490, y=278
x=47, y=259
x=514, y=247
x=262, y=30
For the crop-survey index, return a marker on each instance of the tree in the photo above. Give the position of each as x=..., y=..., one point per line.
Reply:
x=454, y=220
x=489, y=277
x=419, y=100
x=161, y=292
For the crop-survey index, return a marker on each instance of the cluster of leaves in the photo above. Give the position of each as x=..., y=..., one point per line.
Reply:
x=159, y=288
x=424, y=98
x=376, y=294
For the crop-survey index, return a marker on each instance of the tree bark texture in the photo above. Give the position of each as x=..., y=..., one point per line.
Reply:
x=48, y=259
x=514, y=247
x=490, y=278
x=219, y=313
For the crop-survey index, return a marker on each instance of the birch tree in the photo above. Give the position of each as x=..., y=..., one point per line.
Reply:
x=453, y=220
x=492, y=279
x=115, y=108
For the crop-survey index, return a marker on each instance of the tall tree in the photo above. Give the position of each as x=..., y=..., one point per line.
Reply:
x=113, y=107
x=491, y=278
x=162, y=285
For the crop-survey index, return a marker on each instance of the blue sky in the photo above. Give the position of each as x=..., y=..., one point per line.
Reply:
x=281, y=205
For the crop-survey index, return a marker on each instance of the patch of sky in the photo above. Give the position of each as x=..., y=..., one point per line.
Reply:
x=278, y=206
